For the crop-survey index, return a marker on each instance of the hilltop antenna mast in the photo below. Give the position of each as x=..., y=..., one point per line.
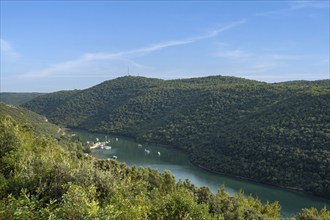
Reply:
x=128, y=71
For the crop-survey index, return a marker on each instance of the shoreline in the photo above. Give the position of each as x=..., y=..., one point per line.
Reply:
x=290, y=189
x=286, y=188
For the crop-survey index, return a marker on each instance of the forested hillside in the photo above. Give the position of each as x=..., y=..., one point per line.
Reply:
x=31, y=119
x=43, y=178
x=18, y=98
x=272, y=133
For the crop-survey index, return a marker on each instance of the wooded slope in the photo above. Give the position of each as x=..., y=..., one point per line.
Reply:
x=272, y=133
x=43, y=178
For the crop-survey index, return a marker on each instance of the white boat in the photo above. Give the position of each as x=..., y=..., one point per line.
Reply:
x=158, y=153
x=114, y=157
x=107, y=147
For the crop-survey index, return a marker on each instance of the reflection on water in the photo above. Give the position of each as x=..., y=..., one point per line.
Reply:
x=129, y=152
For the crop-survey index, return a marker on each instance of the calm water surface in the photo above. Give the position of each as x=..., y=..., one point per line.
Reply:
x=128, y=151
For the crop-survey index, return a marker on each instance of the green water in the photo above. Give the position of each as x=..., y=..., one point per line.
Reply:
x=127, y=151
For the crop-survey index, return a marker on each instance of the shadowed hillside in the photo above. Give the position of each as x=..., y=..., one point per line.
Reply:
x=18, y=98
x=272, y=133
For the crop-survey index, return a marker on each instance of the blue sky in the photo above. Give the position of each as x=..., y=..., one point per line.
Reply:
x=59, y=45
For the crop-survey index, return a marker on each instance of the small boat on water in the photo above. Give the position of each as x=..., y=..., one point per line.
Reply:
x=100, y=145
x=114, y=157
x=107, y=147
x=139, y=145
x=158, y=154
x=146, y=151
x=116, y=139
x=96, y=146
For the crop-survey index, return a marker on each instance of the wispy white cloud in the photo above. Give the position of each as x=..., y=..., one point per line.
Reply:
x=246, y=70
x=83, y=63
x=217, y=31
x=274, y=12
x=80, y=64
x=6, y=49
x=284, y=57
x=233, y=54
x=238, y=54
x=4, y=45
x=297, y=5
x=310, y=4
x=246, y=63
x=263, y=67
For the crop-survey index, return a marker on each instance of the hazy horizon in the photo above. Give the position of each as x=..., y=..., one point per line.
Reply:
x=147, y=77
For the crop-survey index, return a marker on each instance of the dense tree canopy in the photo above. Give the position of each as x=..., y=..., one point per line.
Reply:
x=42, y=178
x=273, y=133
x=25, y=117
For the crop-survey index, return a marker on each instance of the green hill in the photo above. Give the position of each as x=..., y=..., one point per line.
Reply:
x=324, y=82
x=18, y=98
x=31, y=119
x=42, y=179
x=273, y=133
